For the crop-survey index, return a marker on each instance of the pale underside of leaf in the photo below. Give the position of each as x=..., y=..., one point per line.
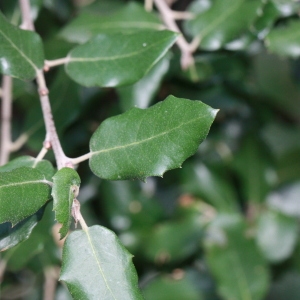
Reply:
x=95, y=263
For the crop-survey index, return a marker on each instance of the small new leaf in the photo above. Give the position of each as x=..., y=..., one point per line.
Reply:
x=65, y=189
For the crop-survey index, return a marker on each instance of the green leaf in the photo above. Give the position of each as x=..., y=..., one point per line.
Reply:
x=65, y=189
x=174, y=288
x=142, y=143
x=11, y=236
x=23, y=192
x=276, y=235
x=110, y=60
x=285, y=41
x=266, y=20
x=203, y=182
x=224, y=21
x=286, y=7
x=21, y=51
x=44, y=166
x=142, y=93
x=176, y=241
x=234, y=260
x=255, y=171
x=130, y=18
x=96, y=264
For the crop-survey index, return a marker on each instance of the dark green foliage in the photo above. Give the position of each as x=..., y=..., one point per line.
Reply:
x=225, y=226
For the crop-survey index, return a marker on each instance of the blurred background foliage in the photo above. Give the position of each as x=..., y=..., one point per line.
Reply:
x=226, y=225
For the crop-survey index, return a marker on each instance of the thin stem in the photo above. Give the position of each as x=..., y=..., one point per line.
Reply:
x=3, y=264
x=51, y=276
x=6, y=109
x=148, y=5
x=56, y=62
x=40, y=156
x=77, y=215
x=51, y=137
x=182, y=15
x=82, y=158
x=26, y=18
x=167, y=14
x=19, y=142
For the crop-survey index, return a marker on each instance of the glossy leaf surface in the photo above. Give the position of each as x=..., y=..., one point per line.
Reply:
x=142, y=92
x=142, y=143
x=110, y=60
x=65, y=189
x=21, y=51
x=130, y=18
x=235, y=261
x=96, y=263
x=11, y=236
x=44, y=166
x=285, y=41
x=23, y=192
x=223, y=22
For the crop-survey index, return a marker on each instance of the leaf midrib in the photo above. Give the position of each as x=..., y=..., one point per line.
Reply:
x=115, y=57
x=147, y=139
x=241, y=277
x=19, y=51
x=98, y=262
x=125, y=24
x=24, y=183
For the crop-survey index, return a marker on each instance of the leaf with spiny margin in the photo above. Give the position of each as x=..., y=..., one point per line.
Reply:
x=223, y=22
x=23, y=192
x=110, y=60
x=131, y=18
x=285, y=41
x=10, y=235
x=44, y=166
x=65, y=189
x=95, y=263
x=148, y=142
x=21, y=51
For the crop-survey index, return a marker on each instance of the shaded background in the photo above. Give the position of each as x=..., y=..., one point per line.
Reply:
x=226, y=225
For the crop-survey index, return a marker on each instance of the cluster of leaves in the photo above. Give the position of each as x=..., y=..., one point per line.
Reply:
x=225, y=226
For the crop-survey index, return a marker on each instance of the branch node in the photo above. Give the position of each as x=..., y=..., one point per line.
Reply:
x=69, y=164
x=47, y=145
x=46, y=68
x=43, y=92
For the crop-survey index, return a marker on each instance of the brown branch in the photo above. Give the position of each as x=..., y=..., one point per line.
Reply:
x=6, y=109
x=52, y=139
x=26, y=18
x=187, y=59
x=51, y=276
